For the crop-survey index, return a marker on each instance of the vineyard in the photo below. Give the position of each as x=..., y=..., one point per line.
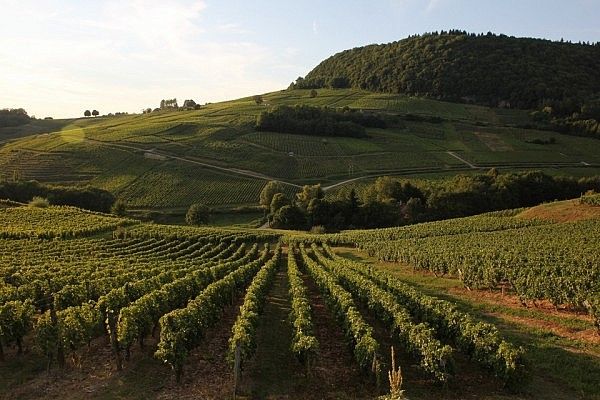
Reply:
x=536, y=259
x=191, y=305
x=55, y=222
x=152, y=160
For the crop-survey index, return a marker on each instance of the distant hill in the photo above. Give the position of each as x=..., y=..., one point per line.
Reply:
x=492, y=70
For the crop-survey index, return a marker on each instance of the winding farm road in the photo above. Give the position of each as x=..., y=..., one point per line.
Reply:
x=403, y=171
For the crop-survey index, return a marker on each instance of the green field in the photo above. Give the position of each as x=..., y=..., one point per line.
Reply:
x=223, y=162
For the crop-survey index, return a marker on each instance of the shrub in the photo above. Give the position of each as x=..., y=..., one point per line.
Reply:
x=119, y=208
x=198, y=214
x=39, y=202
x=318, y=229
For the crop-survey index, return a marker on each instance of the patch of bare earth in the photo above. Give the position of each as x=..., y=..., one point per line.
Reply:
x=562, y=211
x=87, y=372
x=586, y=335
x=511, y=301
x=493, y=141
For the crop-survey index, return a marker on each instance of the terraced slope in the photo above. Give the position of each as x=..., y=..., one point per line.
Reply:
x=214, y=155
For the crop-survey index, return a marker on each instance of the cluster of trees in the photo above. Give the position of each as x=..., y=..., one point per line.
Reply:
x=308, y=120
x=393, y=202
x=488, y=69
x=13, y=117
x=88, y=198
x=88, y=113
x=171, y=104
x=573, y=117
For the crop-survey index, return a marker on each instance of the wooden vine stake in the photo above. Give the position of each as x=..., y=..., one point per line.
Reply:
x=236, y=370
x=376, y=370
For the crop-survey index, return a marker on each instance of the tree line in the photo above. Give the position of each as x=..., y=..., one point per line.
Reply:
x=390, y=201
x=318, y=121
x=89, y=198
x=13, y=117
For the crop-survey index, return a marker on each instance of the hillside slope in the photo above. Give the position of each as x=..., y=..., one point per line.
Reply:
x=214, y=155
x=485, y=69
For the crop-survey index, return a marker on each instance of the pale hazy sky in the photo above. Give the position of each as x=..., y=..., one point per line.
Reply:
x=60, y=57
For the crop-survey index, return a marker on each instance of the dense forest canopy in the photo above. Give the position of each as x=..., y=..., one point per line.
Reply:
x=488, y=69
x=308, y=120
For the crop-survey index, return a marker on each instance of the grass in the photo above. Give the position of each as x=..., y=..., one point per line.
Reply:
x=110, y=152
x=241, y=220
x=562, y=211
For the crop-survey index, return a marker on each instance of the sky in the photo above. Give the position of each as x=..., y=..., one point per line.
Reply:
x=61, y=57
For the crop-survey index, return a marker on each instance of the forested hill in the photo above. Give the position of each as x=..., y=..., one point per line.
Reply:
x=494, y=70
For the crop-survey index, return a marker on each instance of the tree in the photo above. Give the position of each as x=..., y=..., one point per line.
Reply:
x=95, y=113
x=413, y=210
x=279, y=200
x=87, y=113
x=289, y=217
x=266, y=195
x=313, y=93
x=189, y=104
x=119, y=208
x=258, y=99
x=198, y=214
x=353, y=200
x=308, y=193
x=387, y=188
x=319, y=212
x=167, y=104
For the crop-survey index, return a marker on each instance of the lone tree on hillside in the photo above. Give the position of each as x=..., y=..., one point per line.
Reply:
x=258, y=99
x=95, y=113
x=198, y=214
x=87, y=113
x=191, y=105
x=313, y=93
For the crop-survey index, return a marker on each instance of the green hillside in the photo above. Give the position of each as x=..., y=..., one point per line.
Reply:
x=214, y=155
x=485, y=69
